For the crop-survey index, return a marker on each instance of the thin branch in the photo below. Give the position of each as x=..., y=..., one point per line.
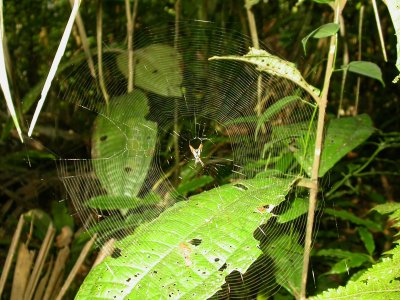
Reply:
x=318, y=149
x=99, y=36
x=40, y=261
x=11, y=253
x=85, y=43
x=76, y=267
x=54, y=66
x=345, y=62
x=359, y=56
x=176, y=104
x=378, y=24
x=130, y=24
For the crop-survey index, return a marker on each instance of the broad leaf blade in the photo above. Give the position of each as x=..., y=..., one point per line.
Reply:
x=122, y=153
x=366, y=68
x=159, y=261
x=157, y=69
x=342, y=136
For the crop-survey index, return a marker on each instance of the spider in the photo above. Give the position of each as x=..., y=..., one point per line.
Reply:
x=196, y=153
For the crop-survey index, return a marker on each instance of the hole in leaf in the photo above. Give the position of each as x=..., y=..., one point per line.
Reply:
x=224, y=266
x=216, y=259
x=116, y=253
x=241, y=186
x=195, y=242
x=128, y=169
x=103, y=138
x=129, y=279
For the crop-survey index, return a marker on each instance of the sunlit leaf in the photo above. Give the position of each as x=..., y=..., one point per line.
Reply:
x=167, y=263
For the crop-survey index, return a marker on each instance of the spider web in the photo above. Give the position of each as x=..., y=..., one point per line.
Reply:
x=141, y=158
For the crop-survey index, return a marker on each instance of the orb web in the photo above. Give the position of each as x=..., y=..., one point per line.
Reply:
x=190, y=125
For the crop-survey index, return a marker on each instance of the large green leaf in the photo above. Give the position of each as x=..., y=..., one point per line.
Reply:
x=123, y=144
x=190, y=248
x=342, y=136
x=157, y=69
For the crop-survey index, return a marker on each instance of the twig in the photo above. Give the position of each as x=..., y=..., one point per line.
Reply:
x=59, y=267
x=176, y=103
x=54, y=65
x=76, y=267
x=39, y=263
x=359, y=57
x=104, y=252
x=378, y=24
x=256, y=44
x=99, y=36
x=318, y=149
x=85, y=43
x=130, y=24
x=345, y=62
x=10, y=254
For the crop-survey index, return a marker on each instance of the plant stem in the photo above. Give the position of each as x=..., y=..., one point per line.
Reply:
x=176, y=103
x=84, y=40
x=318, y=149
x=99, y=35
x=130, y=24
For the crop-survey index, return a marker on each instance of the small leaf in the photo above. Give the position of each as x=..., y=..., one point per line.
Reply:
x=365, y=68
x=194, y=184
x=387, y=208
x=107, y=202
x=342, y=136
x=347, y=261
x=323, y=31
x=61, y=216
x=274, y=109
x=298, y=207
x=348, y=216
x=368, y=239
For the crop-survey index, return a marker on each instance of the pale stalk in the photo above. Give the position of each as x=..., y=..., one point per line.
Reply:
x=317, y=152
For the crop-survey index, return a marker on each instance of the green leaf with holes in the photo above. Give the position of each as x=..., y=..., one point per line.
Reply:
x=323, y=31
x=156, y=69
x=190, y=248
x=274, y=65
x=342, y=136
x=123, y=143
